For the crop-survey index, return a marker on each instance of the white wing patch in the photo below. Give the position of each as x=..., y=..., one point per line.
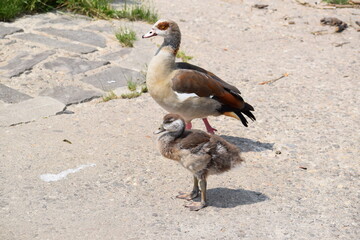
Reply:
x=184, y=96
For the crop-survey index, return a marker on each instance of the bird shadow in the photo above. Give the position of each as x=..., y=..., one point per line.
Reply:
x=230, y=198
x=248, y=145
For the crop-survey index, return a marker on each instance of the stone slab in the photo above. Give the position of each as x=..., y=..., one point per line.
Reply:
x=23, y=62
x=140, y=56
x=10, y=95
x=29, y=110
x=117, y=55
x=86, y=37
x=102, y=28
x=113, y=78
x=54, y=43
x=73, y=65
x=71, y=94
x=4, y=31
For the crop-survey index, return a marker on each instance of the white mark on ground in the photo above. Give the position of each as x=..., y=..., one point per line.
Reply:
x=48, y=177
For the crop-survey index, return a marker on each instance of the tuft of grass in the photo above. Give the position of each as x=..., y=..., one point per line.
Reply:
x=131, y=85
x=340, y=2
x=126, y=37
x=10, y=9
x=92, y=8
x=110, y=96
x=144, y=88
x=183, y=56
x=138, y=12
x=131, y=95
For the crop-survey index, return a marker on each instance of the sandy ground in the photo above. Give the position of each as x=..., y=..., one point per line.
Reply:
x=301, y=175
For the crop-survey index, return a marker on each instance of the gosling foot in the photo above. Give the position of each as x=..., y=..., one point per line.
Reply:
x=188, y=196
x=196, y=206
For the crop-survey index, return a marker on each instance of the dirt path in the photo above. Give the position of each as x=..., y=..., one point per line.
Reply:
x=301, y=176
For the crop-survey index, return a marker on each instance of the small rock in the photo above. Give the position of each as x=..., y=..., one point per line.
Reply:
x=260, y=6
x=332, y=21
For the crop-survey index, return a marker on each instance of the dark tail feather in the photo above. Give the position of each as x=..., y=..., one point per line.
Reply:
x=247, y=111
x=242, y=118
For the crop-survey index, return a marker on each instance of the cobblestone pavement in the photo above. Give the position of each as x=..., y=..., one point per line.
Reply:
x=50, y=61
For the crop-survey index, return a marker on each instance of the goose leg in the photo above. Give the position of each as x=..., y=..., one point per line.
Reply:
x=196, y=206
x=193, y=194
x=209, y=128
x=188, y=125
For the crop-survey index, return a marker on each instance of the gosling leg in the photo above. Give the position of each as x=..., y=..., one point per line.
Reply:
x=196, y=206
x=193, y=194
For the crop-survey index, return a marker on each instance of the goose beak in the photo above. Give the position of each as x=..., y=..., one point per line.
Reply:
x=150, y=34
x=160, y=130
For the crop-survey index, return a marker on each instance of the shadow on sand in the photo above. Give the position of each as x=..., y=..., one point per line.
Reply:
x=248, y=145
x=230, y=198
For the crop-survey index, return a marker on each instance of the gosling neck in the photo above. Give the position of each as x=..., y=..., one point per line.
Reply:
x=171, y=43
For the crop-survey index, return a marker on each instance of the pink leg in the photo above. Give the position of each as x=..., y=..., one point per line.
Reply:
x=188, y=125
x=209, y=128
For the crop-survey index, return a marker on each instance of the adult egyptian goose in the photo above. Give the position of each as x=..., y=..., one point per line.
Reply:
x=186, y=89
x=201, y=153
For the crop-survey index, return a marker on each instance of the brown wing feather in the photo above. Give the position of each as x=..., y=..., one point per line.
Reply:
x=189, y=81
x=193, y=139
x=183, y=65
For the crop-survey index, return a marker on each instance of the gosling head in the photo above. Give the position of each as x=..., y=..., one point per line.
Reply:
x=164, y=27
x=173, y=124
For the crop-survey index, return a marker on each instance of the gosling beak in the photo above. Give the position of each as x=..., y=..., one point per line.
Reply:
x=150, y=34
x=160, y=130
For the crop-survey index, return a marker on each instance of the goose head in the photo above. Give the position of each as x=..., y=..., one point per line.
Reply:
x=172, y=124
x=164, y=28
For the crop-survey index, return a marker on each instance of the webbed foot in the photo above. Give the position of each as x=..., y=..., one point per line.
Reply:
x=196, y=206
x=188, y=196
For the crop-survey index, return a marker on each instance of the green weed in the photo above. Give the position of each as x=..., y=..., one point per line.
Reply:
x=337, y=1
x=131, y=95
x=137, y=12
x=131, y=85
x=9, y=9
x=144, y=88
x=110, y=96
x=183, y=56
x=126, y=37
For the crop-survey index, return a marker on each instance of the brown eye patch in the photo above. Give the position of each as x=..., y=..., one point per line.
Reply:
x=163, y=25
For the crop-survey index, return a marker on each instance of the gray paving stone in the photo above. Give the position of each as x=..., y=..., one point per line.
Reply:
x=23, y=62
x=10, y=95
x=117, y=55
x=54, y=43
x=113, y=78
x=8, y=30
x=29, y=110
x=71, y=94
x=86, y=37
x=73, y=65
x=101, y=28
